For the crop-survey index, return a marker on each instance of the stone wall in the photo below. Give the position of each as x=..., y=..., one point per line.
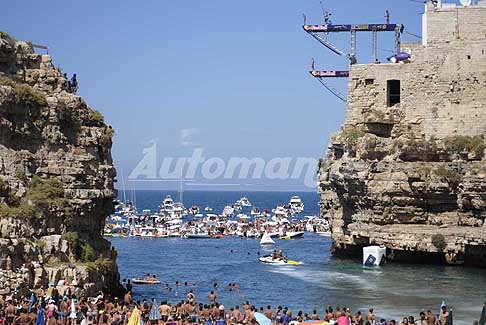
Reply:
x=394, y=175
x=56, y=180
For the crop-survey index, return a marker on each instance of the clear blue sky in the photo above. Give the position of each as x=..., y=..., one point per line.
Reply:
x=234, y=70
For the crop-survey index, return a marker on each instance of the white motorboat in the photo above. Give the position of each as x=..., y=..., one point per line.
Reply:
x=244, y=202
x=266, y=239
x=208, y=209
x=268, y=259
x=296, y=204
x=295, y=234
x=194, y=209
x=255, y=211
x=228, y=211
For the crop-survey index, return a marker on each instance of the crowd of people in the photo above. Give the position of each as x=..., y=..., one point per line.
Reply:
x=52, y=308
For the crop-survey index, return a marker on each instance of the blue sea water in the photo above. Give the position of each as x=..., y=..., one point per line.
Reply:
x=394, y=290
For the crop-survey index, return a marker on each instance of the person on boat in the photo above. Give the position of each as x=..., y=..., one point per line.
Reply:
x=314, y=315
x=268, y=313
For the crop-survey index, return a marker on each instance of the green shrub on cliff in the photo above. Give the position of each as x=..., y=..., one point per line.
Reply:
x=450, y=176
x=461, y=143
x=81, y=249
x=28, y=96
x=350, y=137
x=107, y=136
x=41, y=198
x=24, y=94
x=97, y=117
x=69, y=122
x=439, y=242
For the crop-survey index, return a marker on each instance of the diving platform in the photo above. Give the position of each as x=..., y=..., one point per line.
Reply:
x=321, y=33
x=321, y=76
x=329, y=74
x=358, y=28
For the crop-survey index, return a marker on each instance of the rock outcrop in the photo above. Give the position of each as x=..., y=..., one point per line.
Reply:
x=56, y=180
x=407, y=169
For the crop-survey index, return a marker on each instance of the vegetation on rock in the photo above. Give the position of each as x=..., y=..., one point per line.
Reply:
x=81, y=249
x=449, y=175
x=107, y=137
x=439, y=242
x=97, y=117
x=350, y=137
x=461, y=143
x=69, y=122
x=41, y=198
x=24, y=94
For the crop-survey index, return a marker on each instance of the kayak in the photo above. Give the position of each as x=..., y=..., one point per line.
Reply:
x=284, y=238
x=269, y=260
x=143, y=281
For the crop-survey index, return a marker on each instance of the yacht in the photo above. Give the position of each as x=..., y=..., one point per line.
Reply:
x=244, y=202
x=255, y=211
x=194, y=209
x=296, y=204
x=228, y=211
x=167, y=202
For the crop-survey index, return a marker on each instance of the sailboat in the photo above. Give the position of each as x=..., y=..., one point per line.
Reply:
x=266, y=239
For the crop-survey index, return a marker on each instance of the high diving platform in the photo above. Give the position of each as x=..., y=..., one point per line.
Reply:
x=322, y=34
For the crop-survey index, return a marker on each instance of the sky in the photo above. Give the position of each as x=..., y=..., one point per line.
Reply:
x=229, y=78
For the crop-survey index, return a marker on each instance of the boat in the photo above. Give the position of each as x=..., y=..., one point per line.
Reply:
x=284, y=238
x=208, y=209
x=202, y=235
x=296, y=204
x=244, y=202
x=194, y=209
x=228, y=211
x=266, y=239
x=268, y=259
x=295, y=234
x=145, y=281
x=255, y=211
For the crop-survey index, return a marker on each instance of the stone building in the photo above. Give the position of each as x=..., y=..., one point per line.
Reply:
x=407, y=168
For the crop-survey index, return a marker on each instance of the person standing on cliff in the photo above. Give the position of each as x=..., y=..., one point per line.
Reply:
x=387, y=17
x=74, y=84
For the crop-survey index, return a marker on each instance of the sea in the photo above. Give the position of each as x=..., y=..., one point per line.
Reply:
x=393, y=290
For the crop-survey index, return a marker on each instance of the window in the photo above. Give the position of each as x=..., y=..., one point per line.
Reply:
x=393, y=92
x=469, y=57
x=369, y=81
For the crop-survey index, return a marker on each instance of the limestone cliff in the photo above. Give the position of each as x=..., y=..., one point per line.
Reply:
x=407, y=169
x=56, y=179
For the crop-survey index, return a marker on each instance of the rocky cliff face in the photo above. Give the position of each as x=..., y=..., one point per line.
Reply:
x=56, y=179
x=407, y=169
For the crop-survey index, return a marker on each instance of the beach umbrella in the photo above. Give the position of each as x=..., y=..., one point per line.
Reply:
x=262, y=319
x=135, y=317
x=449, y=318
x=482, y=319
x=40, y=316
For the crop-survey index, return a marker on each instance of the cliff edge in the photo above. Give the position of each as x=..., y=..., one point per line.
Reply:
x=407, y=170
x=56, y=180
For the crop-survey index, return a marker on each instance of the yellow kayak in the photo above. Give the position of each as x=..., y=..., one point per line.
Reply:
x=284, y=237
